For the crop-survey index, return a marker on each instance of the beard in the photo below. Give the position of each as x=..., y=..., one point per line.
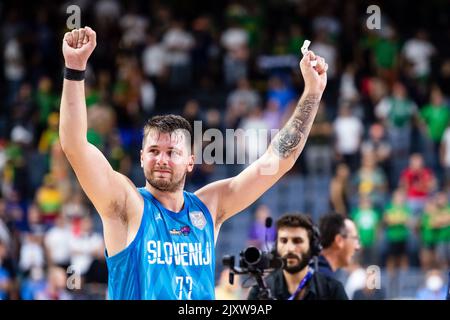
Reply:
x=166, y=185
x=302, y=262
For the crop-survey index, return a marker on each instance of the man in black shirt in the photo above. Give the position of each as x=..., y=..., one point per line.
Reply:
x=340, y=242
x=297, y=243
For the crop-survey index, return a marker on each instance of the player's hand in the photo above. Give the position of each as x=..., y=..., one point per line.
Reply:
x=77, y=47
x=315, y=77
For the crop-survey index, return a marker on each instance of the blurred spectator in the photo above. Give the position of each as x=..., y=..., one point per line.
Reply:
x=46, y=100
x=378, y=144
x=356, y=277
x=235, y=41
x=348, y=90
x=5, y=234
x=444, y=157
x=434, y=288
x=397, y=113
x=33, y=284
x=84, y=246
x=370, y=181
x=428, y=236
x=397, y=218
x=367, y=222
x=318, y=154
x=134, y=27
x=50, y=135
x=49, y=199
x=228, y=54
x=56, y=288
x=154, y=59
x=439, y=222
x=436, y=117
x=14, y=67
x=282, y=94
x=107, y=11
x=340, y=190
x=386, y=51
x=256, y=135
x=348, y=131
x=418, y=51
x=178, y=43
x=369, y=294
x=57, y=244
x=418, y=183
x=74, y=209
x=243, y=94
x=31, y=251
x=435, y=233
x=322, y=46
x=7, y=272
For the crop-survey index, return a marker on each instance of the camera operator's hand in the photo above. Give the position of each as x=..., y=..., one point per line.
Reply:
x=78, y=46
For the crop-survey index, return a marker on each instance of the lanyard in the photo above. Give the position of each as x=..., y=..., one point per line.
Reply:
x=302, y=284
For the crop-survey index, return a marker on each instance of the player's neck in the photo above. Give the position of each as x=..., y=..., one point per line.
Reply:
x=173, y=201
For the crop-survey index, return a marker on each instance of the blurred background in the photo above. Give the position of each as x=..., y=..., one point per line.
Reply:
x=379, y=150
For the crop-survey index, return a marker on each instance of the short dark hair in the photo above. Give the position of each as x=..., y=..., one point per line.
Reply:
x=331, y=225
x=296, y=220
x=168, y=124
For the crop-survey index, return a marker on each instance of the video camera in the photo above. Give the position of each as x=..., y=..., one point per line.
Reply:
x=255, y=262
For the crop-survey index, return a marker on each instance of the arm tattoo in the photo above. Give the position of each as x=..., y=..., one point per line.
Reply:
x=294, y=133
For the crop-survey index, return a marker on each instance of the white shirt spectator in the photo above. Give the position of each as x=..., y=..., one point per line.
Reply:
x=154, y=60
x=57, y=242
x=148, y=96
x=419, y=53
x=178, y=43
x=134, y=27
x=348, y=132
x=82, y=250
x=446, y=144
x=14, y=68
x=31, y=255
x=234, y=38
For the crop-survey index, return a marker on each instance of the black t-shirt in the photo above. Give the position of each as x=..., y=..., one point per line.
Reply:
x=319, y=287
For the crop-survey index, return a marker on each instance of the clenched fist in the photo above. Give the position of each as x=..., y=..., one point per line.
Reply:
x=77, y=47
x=315, y=77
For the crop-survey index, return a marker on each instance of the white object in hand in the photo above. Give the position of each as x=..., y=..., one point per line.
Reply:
x=304, y=49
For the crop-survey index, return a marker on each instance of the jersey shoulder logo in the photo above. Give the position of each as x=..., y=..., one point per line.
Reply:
x=198, y=219
x=185, y=230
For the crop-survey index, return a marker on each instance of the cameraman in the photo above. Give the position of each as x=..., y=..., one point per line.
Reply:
x=297, y=242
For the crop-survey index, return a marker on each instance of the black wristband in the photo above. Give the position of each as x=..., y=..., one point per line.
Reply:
x=72, y=74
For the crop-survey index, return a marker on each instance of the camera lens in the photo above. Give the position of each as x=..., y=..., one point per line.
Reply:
x=252, y=255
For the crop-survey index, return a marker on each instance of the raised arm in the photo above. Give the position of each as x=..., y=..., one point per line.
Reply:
x=228, y=197
x=112, y=194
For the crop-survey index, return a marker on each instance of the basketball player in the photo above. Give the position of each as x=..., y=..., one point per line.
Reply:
x=160, y=239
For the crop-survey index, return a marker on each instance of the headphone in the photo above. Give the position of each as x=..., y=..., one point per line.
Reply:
x=316, y=246
x=315, y=243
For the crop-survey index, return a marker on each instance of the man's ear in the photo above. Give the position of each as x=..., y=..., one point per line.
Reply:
x=339, y=241
x=142, y=162
x=191, y=163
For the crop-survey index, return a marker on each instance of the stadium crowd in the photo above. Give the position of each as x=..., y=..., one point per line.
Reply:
x=381, y=138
